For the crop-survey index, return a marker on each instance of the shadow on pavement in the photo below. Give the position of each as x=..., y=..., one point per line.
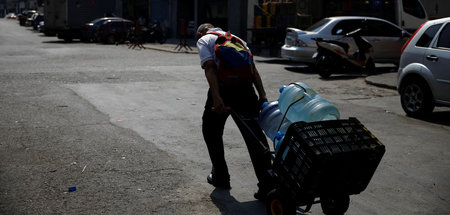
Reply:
x=61, y=41
x=43, y=35
x=279, y=61
x=227, y=204
x=438, y=117
x=300, y=69
x=385, y=69
x=308, y=68
x=338, y=75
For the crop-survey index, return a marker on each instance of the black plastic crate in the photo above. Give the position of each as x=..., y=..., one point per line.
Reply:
x=327, y=157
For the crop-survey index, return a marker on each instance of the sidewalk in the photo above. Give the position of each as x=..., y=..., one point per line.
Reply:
x=385, y=80
x=174, y=46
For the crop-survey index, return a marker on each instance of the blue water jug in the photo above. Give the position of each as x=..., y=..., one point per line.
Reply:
x=267, y=108
x=301, y=103
x=296, y=87
x=279, y=136
x=271, y=120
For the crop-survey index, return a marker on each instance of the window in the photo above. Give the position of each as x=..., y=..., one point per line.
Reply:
x=318, y=25
x=444, y=38
x=129, y=25
x=381, y=29
x=346, y=26
x=116, y=25
x=427, y=36
x=413, y=7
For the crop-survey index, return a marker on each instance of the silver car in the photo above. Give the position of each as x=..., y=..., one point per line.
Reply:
x=386, y=38
x=423, y=75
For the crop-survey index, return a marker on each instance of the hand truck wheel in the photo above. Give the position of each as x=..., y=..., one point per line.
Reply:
x=279, y=204
x=334, y=205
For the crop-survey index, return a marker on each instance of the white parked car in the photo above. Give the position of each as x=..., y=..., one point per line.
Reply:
x=424, y=71
x=386, y=38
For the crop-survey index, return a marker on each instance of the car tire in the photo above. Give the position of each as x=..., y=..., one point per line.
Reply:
x=162, y=39
x=416, y=98
x=68, y=39
x=99, y=39
x=111, y=39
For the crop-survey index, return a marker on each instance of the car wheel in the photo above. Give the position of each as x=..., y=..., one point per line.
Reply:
x=68, y=39
x=416, y=98
x=162, y=39
x=111, y=39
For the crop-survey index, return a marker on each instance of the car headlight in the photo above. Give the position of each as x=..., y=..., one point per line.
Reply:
x=300, y=43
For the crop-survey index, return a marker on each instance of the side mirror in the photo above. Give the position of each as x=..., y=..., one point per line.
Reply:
x=339, y=31
x=405, y=34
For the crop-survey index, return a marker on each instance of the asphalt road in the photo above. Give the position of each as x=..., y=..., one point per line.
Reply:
x=124, y=127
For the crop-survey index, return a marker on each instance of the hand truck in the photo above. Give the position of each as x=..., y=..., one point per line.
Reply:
x=321, y=162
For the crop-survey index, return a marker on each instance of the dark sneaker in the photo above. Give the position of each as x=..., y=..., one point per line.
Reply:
x=225, y=184
x=261, y=194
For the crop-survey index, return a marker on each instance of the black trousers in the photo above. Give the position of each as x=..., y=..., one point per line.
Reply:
x=244, y=102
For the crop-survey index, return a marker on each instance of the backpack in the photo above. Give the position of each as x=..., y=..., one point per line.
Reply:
x=236, y=61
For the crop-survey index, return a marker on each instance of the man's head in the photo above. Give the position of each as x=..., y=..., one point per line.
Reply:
x=202, y=29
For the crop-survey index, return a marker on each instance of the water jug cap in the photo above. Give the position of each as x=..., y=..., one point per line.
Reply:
x=282, y=88
x=279, y=135
x=265, y=104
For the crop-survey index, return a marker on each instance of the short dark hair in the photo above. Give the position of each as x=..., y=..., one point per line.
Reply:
x=203, y=28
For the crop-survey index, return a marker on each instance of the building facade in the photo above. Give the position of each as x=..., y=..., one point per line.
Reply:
x=18, y=6
x=181, y=17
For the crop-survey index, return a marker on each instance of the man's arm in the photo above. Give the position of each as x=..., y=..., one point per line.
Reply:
x=213, y=81
x=259, y=85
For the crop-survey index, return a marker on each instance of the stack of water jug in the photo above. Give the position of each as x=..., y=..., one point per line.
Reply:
x=297, y=102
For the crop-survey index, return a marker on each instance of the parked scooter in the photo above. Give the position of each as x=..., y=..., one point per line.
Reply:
x=152, y=33
x=157, y=33
x=333, y=55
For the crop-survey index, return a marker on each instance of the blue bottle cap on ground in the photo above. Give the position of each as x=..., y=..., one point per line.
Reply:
x=72, y=188
x=282, y=88
x=265, y=104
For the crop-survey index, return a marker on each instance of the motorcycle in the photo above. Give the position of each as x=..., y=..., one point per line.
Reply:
x=147, y=34
x=333, y=55
x=153, y=33
x=157, y=33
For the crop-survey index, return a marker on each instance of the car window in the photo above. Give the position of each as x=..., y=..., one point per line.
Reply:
x=346, y=26
x=427, y=36
x=444, y=38
x=414, y=8
x=97, y=20
x=381, y=29
x=127, y=25
x=318, y=25
x=116, y=25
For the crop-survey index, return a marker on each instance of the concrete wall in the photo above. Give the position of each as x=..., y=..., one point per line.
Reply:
x=437, y=8
x=237, y=17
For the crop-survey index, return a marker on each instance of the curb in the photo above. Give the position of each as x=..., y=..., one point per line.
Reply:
x=173, y=46
x=171, y=50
